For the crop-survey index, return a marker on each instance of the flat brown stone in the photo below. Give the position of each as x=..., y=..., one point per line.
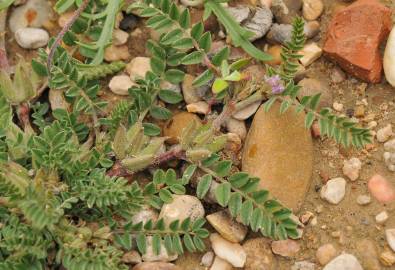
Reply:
x=279, y=151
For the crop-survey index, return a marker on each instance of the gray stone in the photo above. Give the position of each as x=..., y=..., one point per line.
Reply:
x=285, y=10
x=260, y=23
x=303, y=265
x=182, y=207
x=334, y=190
x=31, y=38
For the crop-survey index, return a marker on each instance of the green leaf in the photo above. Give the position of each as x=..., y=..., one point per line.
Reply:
x=222, y=194
x=165, y=196
x=188, y=173
x=157, y=66
x=193, y=58
x=203, y=186
x=246, y=212
x=309, y=119
x=203, y=78
x=256, y=219
x=160, y=113
x=156, y=244
x=151, y=129
x=239, y=64
x=174, y=76
x=268, y=104
x=185, y=19
x=205, y=42
x=223, y=168
x=183, y=44
x=189, y=243
x=39, y=68
x=239, y=179
x=170, y=96
x=222, y=55
x=234, y=205
x=171, y=37
x=219, y=85
x=284, y=106
x=197, y=30
x=235, y=76
x=141, y=241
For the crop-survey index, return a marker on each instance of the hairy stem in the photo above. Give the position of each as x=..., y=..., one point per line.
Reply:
x=64, y=30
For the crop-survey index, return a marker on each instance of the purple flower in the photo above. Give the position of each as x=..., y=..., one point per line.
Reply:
x=275, y=83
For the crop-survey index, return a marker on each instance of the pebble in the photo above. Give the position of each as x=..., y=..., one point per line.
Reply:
x=207, y=259
x=138, y=67
x=325, y=253
x=116, y=53
x=312, y=9
x=144, y=215
x=266, y=3
x=351, y=168
x=390, y=146
x=338, y=106
x=231, y=252
x=334, y=190
x=128, y=22
x=363, y=199
x=260, y=23
x=367, y=254
x=236, y=126
x=312, y=86
x=338, y=75
x=285, y=10
x=192, y=3
x=387, y=258
x=156, y=266
x=278, y=150
x=35, y=13
x=389, y=58
x=163, y=255
x=303, y=265
x=247, y=112
x=182, y=207
x=190, y=93
x=132, y=257
x=259, y=255
x=120, y=84
x=227, y=227
x=285, y=248
x=173, y=128
x=200, y=107
x=220, y=264
x=344, y=262
x=381, y=189
x=282, y=33
x=382, y=217
x=310, y=53
x=384, y=133
x=239, y=13
x=119, y=37
x=31, y=38
x=390, y=236
x=389, y=159
x=275, y=52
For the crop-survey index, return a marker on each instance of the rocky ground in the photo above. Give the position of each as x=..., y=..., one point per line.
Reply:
x=344, y=198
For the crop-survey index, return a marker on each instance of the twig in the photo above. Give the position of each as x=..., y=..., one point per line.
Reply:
x=64, y=30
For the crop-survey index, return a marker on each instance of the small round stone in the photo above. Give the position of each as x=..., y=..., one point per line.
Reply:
x=31, y=38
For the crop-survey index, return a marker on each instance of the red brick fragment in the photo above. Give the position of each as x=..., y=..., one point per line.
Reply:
x=354, y=36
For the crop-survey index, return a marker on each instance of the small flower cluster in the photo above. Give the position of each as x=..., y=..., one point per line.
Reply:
x=275, y=83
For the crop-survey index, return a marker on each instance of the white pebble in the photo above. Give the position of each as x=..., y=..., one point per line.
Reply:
x=120, y=84
x=389, y=58
x=334, y=190
x=231, y=252
x=351, y=168
x=200, y=107
x=390, y=235
x=337, y=106
x=119, y=37
x=310, y=53
x=31, y=38
x=207, y=259
x=363, y=199
x=382, y=217
x=384, y=133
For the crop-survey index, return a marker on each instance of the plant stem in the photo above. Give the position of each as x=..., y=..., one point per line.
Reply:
x=64, y=30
